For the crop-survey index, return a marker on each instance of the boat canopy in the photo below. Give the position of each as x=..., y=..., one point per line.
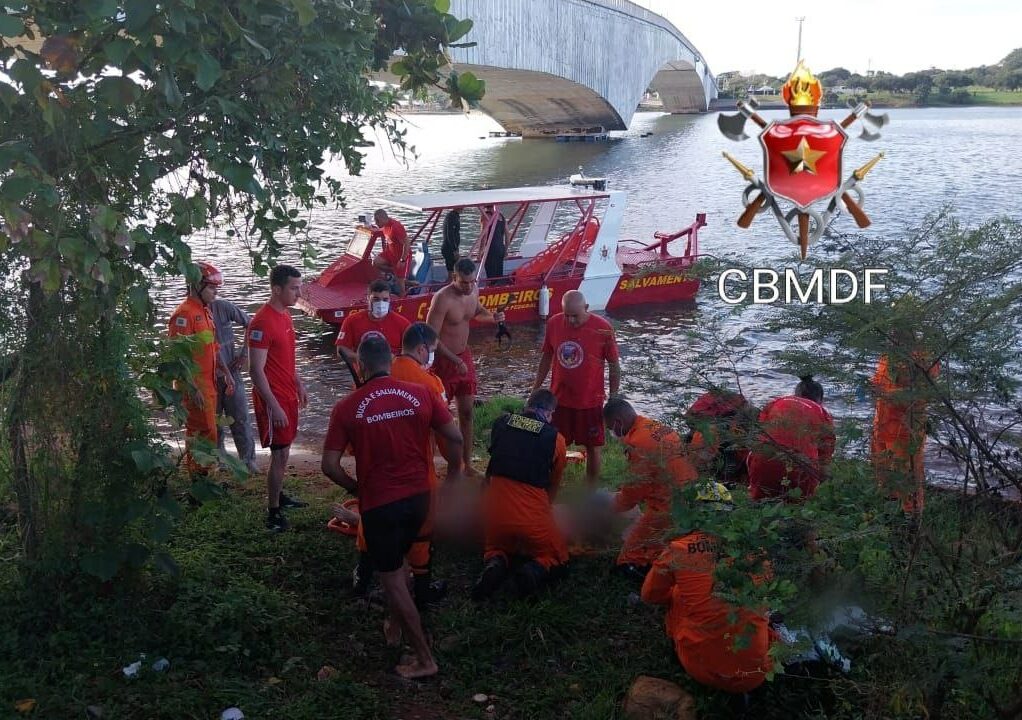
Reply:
x=477, y=198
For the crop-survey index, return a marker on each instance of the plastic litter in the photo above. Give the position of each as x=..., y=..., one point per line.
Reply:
x=25, y=706
x=94, y=712
x=232, y=713
x=161, y=665
x=480, y=698
x=132, y=671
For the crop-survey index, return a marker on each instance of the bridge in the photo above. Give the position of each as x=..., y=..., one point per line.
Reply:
x=561, y=66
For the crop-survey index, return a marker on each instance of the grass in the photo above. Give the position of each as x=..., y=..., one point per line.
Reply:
x=251, y=618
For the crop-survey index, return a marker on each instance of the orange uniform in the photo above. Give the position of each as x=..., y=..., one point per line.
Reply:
x=192, y=318
x=658, y=462
x=704, y=627
x=517, y=512
x=408, y=369
x=899, y=434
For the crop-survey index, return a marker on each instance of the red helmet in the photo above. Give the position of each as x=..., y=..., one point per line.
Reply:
x=211, y=275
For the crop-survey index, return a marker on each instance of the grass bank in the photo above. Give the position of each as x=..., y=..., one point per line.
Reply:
x=251, y=619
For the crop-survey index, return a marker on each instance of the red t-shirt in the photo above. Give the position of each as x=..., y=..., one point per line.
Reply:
x=799, y=424
x=388, y=424
x=394, y=238
x=358, y=324
x=273, y=331
x=579, y=357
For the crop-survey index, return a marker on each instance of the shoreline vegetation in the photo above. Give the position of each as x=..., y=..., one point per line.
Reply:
x=264, y=623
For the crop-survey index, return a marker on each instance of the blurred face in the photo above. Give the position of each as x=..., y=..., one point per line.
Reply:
x=464, y=284
x=208, y=293
x=289, y=292
x=380, y=217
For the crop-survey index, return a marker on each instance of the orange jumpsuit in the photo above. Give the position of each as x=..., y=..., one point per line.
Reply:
x=657, y=462
x=409, y=370
x=899, y=434
x=191, y=318
x=519, y=518
x=705, y=628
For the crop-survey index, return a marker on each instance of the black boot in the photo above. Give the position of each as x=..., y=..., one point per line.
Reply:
x=493, y=575
x=362, y=576
x=530, y=577
x=427, y=591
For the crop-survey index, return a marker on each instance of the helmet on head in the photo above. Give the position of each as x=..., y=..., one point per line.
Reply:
x=211, y=275
x=713, y=492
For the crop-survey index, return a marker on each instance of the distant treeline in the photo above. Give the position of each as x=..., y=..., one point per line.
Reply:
x=923, y=84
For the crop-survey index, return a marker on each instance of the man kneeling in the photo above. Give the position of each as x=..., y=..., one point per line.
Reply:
x=388, y=423
x=718, y=644
x=527, y=459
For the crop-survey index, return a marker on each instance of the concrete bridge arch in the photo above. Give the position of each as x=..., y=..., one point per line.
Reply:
x=555, y=66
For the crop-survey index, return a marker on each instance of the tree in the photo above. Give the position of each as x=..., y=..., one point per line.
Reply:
x=126, y=127
x=1013, y=60
x=948, y=581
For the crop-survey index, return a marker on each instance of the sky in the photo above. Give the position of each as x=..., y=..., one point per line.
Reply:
x=895, y=36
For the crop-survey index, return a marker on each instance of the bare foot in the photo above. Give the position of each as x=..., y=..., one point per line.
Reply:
x=416, y=669
x=391, y=633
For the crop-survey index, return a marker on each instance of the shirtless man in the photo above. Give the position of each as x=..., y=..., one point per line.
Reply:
x=450, y=313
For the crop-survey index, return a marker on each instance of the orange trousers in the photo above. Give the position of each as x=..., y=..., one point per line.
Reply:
x=200, y=423
x=899, y=470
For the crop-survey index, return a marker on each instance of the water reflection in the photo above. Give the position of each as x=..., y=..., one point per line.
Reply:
x=670, y=175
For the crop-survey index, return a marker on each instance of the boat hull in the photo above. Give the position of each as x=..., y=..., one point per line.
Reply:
x=520, y=301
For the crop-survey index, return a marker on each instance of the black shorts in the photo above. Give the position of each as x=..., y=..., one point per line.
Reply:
x=390, y=530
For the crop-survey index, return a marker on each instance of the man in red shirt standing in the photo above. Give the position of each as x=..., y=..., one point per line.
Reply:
x=579, y=345
x=393, y=257
x=277, y=391
x=387, y=422
x=795, y=447
x=376, y=319
x=193, y=317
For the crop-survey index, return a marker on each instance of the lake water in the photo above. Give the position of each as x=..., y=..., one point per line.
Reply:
x=971, y=157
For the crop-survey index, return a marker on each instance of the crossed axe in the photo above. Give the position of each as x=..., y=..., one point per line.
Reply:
x=733, y=127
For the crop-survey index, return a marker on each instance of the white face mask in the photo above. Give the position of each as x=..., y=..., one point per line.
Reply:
x=380, y=307
x=429, y=360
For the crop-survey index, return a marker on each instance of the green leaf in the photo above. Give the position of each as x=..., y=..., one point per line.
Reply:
x=143, y=460
x=117, y=51
x=99, y=9
x=17, y=188
x=460, y=30
x=102, y=564
x=306, y=13
x=165, y=563
x=118, y=92
x=399, y=68
x=442, y=6
x=11, y=26
x=137, y=14
x=207, y=70
x=169, y=88
x=255, y=43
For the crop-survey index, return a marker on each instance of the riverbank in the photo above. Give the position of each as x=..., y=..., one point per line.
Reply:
x=977, y=97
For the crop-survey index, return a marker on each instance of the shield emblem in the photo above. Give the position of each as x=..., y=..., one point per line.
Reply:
x=802, y=158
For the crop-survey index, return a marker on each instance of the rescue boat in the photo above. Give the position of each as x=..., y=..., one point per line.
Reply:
x=586, y=253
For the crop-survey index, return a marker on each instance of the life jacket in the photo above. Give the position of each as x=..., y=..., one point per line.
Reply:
x=522, y=449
